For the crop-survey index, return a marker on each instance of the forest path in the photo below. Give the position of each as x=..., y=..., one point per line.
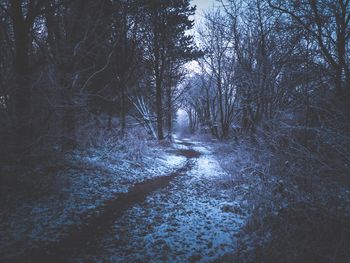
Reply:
x=182, y=217
x=191, y=219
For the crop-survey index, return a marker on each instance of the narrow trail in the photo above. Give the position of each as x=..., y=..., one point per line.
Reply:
x=174, y=218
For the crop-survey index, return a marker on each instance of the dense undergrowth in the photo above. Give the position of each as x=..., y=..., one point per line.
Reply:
x=37, y=173
x=299, y=201
x=44, y=195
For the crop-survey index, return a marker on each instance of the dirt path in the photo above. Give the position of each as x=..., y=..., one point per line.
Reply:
x=192, y=219
x=181, y=217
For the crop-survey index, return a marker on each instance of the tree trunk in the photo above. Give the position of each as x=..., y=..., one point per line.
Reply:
x=21, y=95
x=170, y=115
x=123, y=107
x=221, y=107
x=159, y=110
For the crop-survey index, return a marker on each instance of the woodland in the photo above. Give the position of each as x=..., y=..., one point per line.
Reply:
x=120, y=114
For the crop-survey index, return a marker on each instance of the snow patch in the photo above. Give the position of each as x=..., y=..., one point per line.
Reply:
x=174, y=160
x=91, y=178
x=190, y=220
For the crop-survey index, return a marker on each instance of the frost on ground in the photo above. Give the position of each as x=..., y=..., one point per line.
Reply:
x=191, y=220
x=286, y=216
x=83, y=182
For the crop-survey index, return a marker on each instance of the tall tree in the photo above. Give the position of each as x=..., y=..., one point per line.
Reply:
x=219, y=61
x=23, y=15
x=328, y=23
x=77, y=35
x=125, y=34
x=168, y=41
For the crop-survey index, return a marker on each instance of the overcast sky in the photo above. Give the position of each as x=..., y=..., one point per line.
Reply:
x=202, y=5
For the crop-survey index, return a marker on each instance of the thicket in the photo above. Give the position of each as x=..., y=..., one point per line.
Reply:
x=275, y=82
x=71, y=68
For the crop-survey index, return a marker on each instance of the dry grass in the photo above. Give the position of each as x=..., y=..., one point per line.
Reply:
x=297, y=212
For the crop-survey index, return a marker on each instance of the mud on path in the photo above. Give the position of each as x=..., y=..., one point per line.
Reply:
x=191, y=219
x=188, y=153
x=184, y=216
x=100, y=221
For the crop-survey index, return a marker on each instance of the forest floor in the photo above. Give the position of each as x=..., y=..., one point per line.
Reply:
x=192, y=219
x=180, y=210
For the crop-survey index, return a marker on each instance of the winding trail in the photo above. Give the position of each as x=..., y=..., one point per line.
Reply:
x=184, y=216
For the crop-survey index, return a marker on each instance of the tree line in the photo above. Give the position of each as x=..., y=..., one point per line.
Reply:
x=64, y=61
x=273, y=65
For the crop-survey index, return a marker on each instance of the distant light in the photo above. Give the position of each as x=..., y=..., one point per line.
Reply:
x=182, y=117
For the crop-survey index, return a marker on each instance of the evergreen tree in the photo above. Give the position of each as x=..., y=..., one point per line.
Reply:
x=168, y=42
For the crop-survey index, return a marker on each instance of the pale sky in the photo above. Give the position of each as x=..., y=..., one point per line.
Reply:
x=202, y=5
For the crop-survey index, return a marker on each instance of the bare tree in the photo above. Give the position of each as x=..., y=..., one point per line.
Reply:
x=327, y=22
x=219, y=60
x=167, y=43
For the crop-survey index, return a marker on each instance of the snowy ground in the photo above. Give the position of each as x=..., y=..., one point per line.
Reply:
x=86, y=182
x=191, y=220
